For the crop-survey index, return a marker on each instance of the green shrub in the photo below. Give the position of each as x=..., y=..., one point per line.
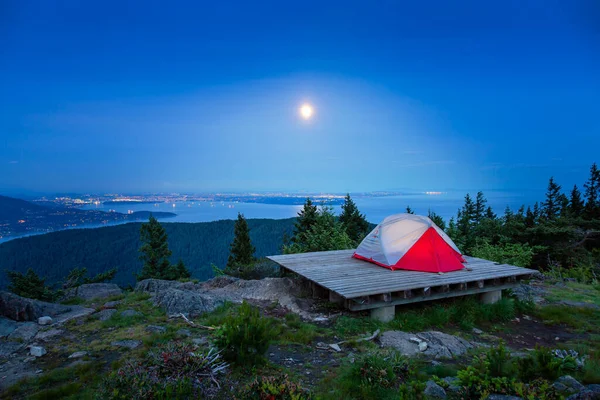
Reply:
x=374, y=376
x=174, y=371
x=278, y=387
x=541, y=363
x=245, y=336
x=496, y=372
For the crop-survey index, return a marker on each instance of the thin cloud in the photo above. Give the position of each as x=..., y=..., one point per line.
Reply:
x=13, y=162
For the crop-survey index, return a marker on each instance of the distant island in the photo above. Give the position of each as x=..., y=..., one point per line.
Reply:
x=21, y=218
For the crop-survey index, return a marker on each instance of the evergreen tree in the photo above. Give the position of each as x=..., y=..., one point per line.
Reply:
x=30, y=285
x=409, y=210
x=576, y=205
x=592, y=194
x=479, y=212
x=326, y=234
x=489, y=213
x=353, y=221
x=465, y=225
x=241, y=251
x=564, y=205
x=466, y=216
x=552, y=204
x=537, y=213
x=307, y=217
x=180, y=271
x=452, y=230
x=154, y=251
x=529, y=218
x=437, y=219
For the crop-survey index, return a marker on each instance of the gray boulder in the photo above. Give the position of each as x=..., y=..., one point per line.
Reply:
x=130, y=344
x=153, y=286
x=104, y=315
x=37, y=351
x=90, y=291
x=434, y=391
x=572, y=385
x=46, y=320
x=593, y=388
x=112, y=304
x=49, y=334
x=22, y=309
x=189, y=303
x=7, y=326
x=585, y=395
x=439, y=344
x=156, y=329
x=25, y=332
x=8, y=348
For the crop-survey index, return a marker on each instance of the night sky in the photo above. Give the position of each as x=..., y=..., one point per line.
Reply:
x=204, y=96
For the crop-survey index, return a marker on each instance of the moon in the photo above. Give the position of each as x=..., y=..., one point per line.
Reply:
x=306, y=111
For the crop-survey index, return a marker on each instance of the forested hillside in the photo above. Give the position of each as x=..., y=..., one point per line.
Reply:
x=53, y=255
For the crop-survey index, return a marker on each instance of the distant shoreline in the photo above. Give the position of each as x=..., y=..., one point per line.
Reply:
x=138, y=216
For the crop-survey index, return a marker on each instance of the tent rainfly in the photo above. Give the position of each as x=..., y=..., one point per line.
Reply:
x=413, y=242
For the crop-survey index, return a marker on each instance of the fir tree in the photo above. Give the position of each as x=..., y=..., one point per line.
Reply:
x=437, y=219
x=489, y=213
x=241, y=251
x=30, y=285
x=592, y=194
x=479, y=212
x=326, y=234
x=537, y=213
x=466, y=216
x=529, y=218
x=552, y=204
x=307, y=217
x=409, y=210
x=154, y=251
x=180, y=271
x=465, y=225
x=353, y=221
x=563, y=200
x=576, y=205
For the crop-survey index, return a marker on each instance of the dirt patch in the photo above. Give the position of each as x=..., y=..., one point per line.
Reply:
x=527, y=333
x=311, y=364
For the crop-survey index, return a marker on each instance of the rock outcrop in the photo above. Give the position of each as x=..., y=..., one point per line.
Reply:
x=92, y=291
x=195, y=299
x=20, y=308
x=439, y=344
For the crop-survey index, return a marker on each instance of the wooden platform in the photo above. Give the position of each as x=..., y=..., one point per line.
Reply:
x=361, y=285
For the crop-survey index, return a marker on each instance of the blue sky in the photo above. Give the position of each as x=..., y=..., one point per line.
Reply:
x=204, y=96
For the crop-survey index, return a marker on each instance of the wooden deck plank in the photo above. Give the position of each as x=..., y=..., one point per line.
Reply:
x=350, y=278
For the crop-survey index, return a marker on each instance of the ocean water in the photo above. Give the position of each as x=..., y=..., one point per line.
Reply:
x=374, y=208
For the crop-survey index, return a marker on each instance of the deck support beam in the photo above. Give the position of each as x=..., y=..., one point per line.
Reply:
x=491, y=297
x=335, y=298
x=383, y=314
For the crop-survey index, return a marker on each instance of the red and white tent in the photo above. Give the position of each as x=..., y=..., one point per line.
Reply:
x=414, y=242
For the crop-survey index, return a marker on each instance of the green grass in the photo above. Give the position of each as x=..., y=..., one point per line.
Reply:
x=75, y=301
x=463, y=313
x=574, y=291
x=294, y=330
x=57, y=383
x=578, y=318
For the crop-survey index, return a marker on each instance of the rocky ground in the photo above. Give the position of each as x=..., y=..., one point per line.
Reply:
x=107, y=326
